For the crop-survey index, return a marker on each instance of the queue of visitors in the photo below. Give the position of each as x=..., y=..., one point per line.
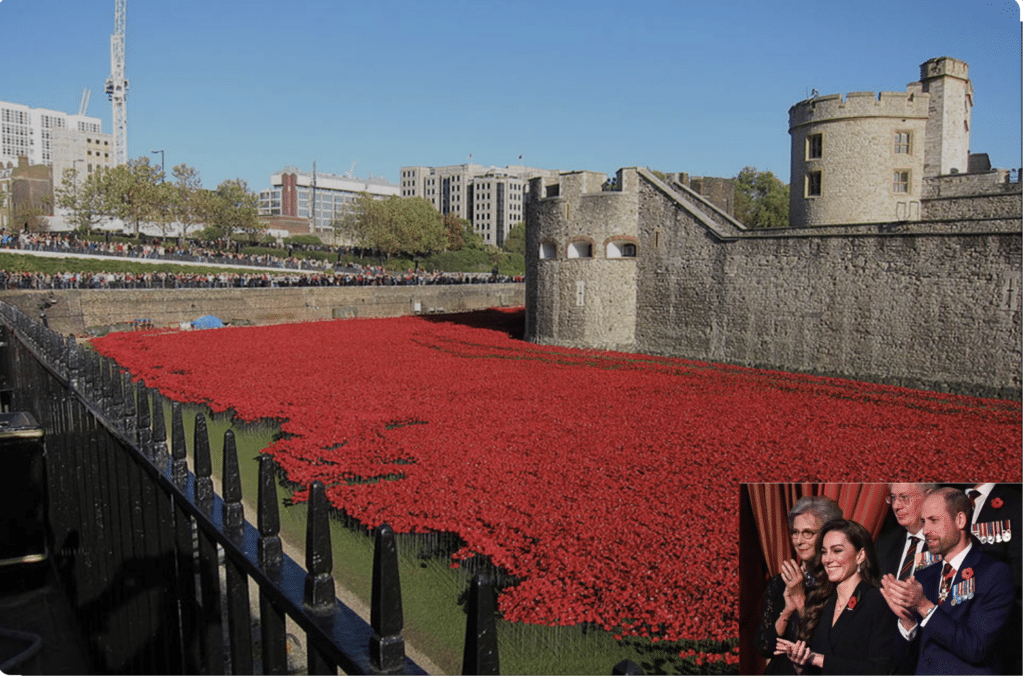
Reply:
x=156, y=249
x=301, y=271
x=108, y=281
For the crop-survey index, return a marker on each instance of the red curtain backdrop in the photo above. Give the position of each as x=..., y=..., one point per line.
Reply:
x=860, y=502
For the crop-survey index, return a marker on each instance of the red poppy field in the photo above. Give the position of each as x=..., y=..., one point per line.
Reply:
x=606, y=482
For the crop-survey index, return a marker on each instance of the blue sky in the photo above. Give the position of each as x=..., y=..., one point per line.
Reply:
x=243, y=88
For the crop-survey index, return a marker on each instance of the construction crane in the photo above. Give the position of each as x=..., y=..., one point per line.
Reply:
x=117, y=85
x=83, y=105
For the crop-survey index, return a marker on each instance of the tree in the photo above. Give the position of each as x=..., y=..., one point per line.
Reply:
x=762, y=200
x=83, y=198
x=393, y=225
x=232, y=209
x=185, y=200
x=515, y=239
x=130, y=191
x=455, y=229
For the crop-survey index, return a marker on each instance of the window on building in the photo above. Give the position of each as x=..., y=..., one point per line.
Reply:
x=902, y=142
x=620, y=249
x=548, y=250
x=813, y=185
x=580, y=249
x=813, y=146
x=901, y=181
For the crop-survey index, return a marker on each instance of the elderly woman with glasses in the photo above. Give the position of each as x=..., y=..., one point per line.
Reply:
x=784, y=594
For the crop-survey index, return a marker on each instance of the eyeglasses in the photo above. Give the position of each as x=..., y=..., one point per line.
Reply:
x=903, y=499
x=807, y=534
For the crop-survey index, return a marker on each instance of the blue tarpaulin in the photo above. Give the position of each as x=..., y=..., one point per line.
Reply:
x=204, y=322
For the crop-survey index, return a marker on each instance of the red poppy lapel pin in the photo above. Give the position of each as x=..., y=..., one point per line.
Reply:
x=967, y=573
x=851, y=604
x=997, y=502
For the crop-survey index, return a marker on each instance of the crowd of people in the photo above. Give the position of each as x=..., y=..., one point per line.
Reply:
x=157, y=249
x=13, y=280
x=940, y=593
x=298, y=271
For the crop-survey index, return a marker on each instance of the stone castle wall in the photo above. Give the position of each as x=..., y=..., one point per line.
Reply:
x=934, y=305
x=75, y=311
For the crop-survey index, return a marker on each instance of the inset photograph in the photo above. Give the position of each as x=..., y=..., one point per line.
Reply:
x=897, y=578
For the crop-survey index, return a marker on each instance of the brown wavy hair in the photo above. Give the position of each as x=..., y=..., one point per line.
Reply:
x=860, y=538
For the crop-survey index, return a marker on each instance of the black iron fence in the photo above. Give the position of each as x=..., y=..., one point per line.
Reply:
x=138, y=539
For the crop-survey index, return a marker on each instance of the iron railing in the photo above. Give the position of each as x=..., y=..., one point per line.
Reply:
x=138, y=538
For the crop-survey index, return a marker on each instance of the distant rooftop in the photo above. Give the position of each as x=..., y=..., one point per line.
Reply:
x=379, y=181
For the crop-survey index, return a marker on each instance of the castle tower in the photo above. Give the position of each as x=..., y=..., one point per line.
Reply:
x=862, y=158
x=948, y=134
x=581, y=263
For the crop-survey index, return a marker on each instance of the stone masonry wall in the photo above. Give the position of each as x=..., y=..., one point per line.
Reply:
x=932, y=305
x=923, y=310
x=77, y=310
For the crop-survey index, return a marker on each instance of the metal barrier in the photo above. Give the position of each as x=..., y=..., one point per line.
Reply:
x=138, y=538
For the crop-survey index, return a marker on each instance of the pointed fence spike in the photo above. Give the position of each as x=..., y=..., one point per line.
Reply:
x=179, y=462
x=127, y=403
x=387, y=647
x=203, y=465
x=159, y=431
x=144, y=435
x=268, y=518
x=234, y=513
x=319, y=590
x=480, y=653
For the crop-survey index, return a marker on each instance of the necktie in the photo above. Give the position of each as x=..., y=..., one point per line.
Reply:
x=947, y=580
x=909, y=558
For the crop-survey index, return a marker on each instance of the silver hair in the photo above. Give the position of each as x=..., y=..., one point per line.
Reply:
x=824, y=508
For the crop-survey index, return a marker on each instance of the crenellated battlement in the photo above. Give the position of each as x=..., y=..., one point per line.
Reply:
x=910, y=104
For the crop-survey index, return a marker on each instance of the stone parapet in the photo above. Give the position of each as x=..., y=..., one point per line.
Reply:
x=76, y=311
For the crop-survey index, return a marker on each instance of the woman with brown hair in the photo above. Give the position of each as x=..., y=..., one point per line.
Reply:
x=847, y=628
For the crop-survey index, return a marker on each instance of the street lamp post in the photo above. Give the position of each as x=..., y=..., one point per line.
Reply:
x=163, y=175
x=78, y=207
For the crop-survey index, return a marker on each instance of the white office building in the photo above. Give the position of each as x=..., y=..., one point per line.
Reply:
x=293, y=190
x=60, y=140
x=491, y=198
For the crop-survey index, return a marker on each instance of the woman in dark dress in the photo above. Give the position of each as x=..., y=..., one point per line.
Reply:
x=847, y=627
x=784, y=594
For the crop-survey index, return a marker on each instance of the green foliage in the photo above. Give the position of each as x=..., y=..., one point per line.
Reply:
x=232, y=208
x=515, y=239
x=455, y=228
x=82, y=198
x=762, y=200
x=129, y=191
x=471, y=240
x=54, y=265
x=303, y=239
x=393, y=225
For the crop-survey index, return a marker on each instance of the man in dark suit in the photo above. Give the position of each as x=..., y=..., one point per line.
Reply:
x=899, y=548
x=997, y=526
x=957, y=609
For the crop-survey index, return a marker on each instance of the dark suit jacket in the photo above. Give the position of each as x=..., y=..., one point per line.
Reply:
x=889, y=550
x=1009, y=495
x=765, y=641
x=963, y=638
x=861, y=641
